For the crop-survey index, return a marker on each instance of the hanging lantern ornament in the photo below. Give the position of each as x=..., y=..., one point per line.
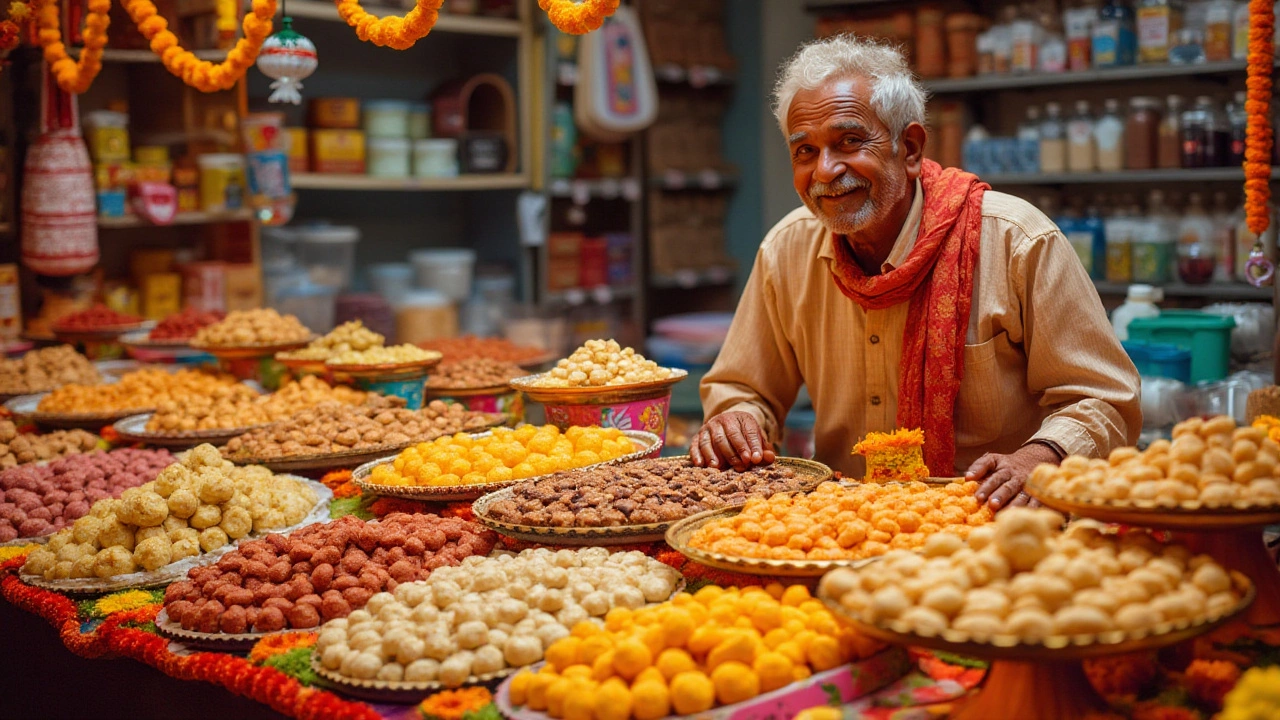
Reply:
x=288, y=58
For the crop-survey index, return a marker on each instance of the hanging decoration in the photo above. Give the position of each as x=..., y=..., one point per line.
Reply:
x=202, y=74
x=287, y=58
x=11, y=30
x=1258, y=139
x=399, y=33
x=578, y=18
x=73, y=76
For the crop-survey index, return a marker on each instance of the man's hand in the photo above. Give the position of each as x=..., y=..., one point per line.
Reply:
x=731, y=439
x=1003, y=476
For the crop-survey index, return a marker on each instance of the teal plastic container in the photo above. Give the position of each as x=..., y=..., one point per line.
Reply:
x=1207, y=337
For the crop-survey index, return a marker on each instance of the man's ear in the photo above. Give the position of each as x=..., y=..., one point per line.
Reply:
x=912, y=141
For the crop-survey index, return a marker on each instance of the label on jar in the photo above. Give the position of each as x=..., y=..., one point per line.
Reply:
x=1154, y=30
x=1082, y=242
x=1152, y=261
x=1119, y=261
x=1106, y=43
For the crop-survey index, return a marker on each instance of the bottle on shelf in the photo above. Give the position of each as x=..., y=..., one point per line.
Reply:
x=1218, y=30
x=1154, y=242
x=1224, y=239
x=1142, y=133
x=1053, y=44
x=1109, y=137
x=1114, y=41
x=1240, y=31
x=1158, y=20
x=1169, y=137
x=1197, y=133
x=1196, y=252
x=1238, y=119
x=1053, y=140
x=1002, y=40
x=1028, y=159
x=1082, y=155
x=1139, y=302
x=1026, y=36
x=1119, y=238
x=1187, y=47
x=1078, y=25
x=1070, y=223
x=1091, y=222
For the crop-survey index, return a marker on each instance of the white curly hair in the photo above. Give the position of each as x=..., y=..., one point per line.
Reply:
x=896, y=96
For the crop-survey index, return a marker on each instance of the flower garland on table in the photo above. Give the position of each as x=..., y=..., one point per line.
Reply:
x=578, y=18
x=74, y=76
x=455, y=704
x=399, y=33
x=1258, y=138
x=202, y=74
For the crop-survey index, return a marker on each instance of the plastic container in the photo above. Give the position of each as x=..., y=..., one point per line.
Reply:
x=311, y=303
x=419, y=121
x=222, y=181
x=328, y=252
x=436, y=157
x=279, y=249
x=1139, y=353
x=1208, y=337
x=447, y=270
x=1139, y=303
x=388, y=157
x=386, y=119
x=391, y=280
x=425, y=315
x=1169, y=361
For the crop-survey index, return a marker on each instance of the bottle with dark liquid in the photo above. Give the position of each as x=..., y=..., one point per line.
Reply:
x=1238, y=119
x=1205, y=135
x=1169, y=135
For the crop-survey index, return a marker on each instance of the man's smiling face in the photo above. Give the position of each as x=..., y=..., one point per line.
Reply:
x=845, y=165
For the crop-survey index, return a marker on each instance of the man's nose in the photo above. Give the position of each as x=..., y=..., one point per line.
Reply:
x=830, y=167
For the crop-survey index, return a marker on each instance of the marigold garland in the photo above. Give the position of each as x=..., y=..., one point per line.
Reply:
x=454, y=704
x=73, y=76
x=202, y=74
x=281, y=643
x=578, y=18
x=1258, y=133
x=9, y=35
x=1209, y=681
x=399, y=33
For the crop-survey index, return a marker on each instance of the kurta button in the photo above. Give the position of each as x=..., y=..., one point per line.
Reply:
x=875, y=399
x=875, y=339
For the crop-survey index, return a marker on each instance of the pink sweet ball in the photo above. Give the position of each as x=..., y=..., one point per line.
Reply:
x=38, y=500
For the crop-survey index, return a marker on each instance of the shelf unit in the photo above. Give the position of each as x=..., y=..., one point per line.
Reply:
x=184, y=218
x=368, y=183
x=1231, y=292
x=979, y=83
x=1123, y=177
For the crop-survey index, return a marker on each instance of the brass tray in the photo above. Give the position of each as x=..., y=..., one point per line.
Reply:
x=142, y=339
x=395, y=692
x=386, y=368
x=26, y=405
x=106, y=333
x=246, y=352
x=1189, y=515
x=436, y=392
x=315, y=367
x=134, y=429
x=615, y=535
x=645, y=443
x=1055, y=648
x=170, y=628
x=596, y=395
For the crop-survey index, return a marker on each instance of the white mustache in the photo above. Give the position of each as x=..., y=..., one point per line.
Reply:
x=840, y=186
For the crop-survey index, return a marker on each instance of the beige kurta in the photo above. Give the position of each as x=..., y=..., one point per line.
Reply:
x=1041, y=361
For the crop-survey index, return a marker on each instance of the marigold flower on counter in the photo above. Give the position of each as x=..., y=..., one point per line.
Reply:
x=454, y=704
x=894, y=456
x=1209, y=681
x=1269, y=424
x=281, y=643
x=840, y=523
x=1255, y=697
x=122, y=601
x=1129, y=674
x=504, y=455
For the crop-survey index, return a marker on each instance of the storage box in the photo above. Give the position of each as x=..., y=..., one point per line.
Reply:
x=563, y=273
x=161, y=295
x=299, y=158
x=564, y=245
x=335, y=113
x=1208, y=337
x=242, y=284
x=593, y=269
x=204, y=286
x=337, y=151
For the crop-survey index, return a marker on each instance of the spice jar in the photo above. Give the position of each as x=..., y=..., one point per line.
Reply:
x=1205, y=134
x=1169, y=136
x=930, y=56
x=1081, y=149
x=1158, y=20
x=1141, y=133
x=1053, y=140
x=425, y=315
x=962, y=41
x=1109, y=137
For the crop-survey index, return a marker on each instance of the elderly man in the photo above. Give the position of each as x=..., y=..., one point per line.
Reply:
x=904, y=294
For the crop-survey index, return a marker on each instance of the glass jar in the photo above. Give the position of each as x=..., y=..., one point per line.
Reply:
x=1082, y=153
x=1158, y=20
x=1028, y=154
x=1238, y=119
x=1205, y=134
x=1218, y=30
x=1053, y=140
x=1187, y=47
x=1114, y=42
x=1141, y=133
x=1078, y=25
x=1169, y=136
x=1196, y=253
x=1119, y=242
x=1109, y=137
x=1240, y=31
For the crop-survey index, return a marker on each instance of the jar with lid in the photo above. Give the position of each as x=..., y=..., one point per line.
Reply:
x=1109, y=137
x=1158, y=20
x=1002, y=40
x=1187, y=47
x=1224, y=239
x=1026, y=35
x=1154, y=242
x=1205, y=134
x=1195, y=243
x=1169, y=136
x=1053, y=140
x=1028, y=154
x=1082, y=153
x=1119, y=230
x=425, y=315
x=1141, y=133
x=1114, y=41
x=1218, y=30
x=1240, y=31
x=1238, y=119
x=1077, y=24
x=986, y=53
x=1053, y=46
x=962, y=50
x=930, y=56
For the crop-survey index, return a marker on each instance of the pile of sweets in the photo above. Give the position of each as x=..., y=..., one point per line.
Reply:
x=347, y=337
x=20, y=448
x=601, y=363
x=139, y=390
x=250, y=328
x=45, y=369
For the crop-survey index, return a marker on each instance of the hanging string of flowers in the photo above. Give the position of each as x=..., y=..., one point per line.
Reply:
x=73, y=76
x=202, y=74
x=1258, y=139
x=578, y=18
x=399, y=33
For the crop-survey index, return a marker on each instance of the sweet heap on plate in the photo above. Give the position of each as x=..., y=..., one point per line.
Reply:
x=641, y=492
x=347, y=337
x=318, y=572
x=95, y=317
x=19, y=448
x=239, y=405
x=393, y=355
x=194, y=506
x=1210, y=462
x=602, y=363
x=138, y=390
x=333, y=427
x=844, y=523
x=503, y=455
x=893, y=457
x=488, y=614
x=45, y=369
x=249, y=328
x=183, y=325
x=470, y=346
x=688, y=655
x=1021, y=577
x=473, y=373
x=37, y=500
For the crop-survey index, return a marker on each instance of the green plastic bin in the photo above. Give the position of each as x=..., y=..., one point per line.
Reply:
x=1208, y=337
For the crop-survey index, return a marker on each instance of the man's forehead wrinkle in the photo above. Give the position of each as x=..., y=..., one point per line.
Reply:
x=838, y=113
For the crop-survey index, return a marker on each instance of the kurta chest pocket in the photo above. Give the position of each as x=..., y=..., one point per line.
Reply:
x=980, y=402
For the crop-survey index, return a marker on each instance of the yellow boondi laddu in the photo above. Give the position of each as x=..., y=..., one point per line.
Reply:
x=715, y=647
x=896, y=456
x=505, y=454
x=844, y=523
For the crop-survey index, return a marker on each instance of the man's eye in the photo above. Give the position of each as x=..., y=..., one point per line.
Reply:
x=851, y=142
x=803, y=151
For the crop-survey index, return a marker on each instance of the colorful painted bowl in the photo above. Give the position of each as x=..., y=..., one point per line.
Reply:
x=640, y=406
x=501, y=399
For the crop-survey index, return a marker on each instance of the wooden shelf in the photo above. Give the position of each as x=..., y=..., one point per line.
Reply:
x=689, y=279
x=1217, y=291
x=708, y=179
x=324, y=181
x=110, y=55
x=1120, y=177
x=187, y=218
x=627, y=188
x=614, y=292
x=460, y=24
x=1081, y=77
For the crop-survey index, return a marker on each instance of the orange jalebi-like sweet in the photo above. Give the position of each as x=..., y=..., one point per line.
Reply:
x=73, y=76
x=202, y=74
x=395, y=32
x=578, y=18
x=1258, y=137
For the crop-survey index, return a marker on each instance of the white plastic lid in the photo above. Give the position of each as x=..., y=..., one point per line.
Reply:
x=424, y=298
x=394, y=145
x=329, y=233
x=1145, y=293
x=448, y=255
x=220, y=160
x=106, y=118
x=383, y=105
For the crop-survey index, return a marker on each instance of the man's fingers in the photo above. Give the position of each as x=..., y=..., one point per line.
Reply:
x=751, y=429
x=708, y=452
x=1006, y=492
x=1021, y=500
x=741, y=446
x=724, y=448
x=695, y=452
x=1032, y=502
x=981, y=467
x=995, y=477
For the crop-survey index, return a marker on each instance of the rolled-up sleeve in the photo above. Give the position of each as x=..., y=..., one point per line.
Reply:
x=1074, y=361
x=756, y=371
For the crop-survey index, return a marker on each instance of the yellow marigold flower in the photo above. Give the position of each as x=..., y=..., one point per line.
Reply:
x=122, y=601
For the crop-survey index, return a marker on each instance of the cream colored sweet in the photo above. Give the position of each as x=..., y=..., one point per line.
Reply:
x=347, y=337
x=1022, y=577
x=392, y=355
x=248, y=328
x=488, y=614
x=600, y=363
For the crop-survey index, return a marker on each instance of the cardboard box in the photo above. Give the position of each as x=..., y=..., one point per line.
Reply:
x=335, y=113
x=563, y=273
x=299, y=157
x=337, y=151
x=243, y=286
x=564, y=245
x=161, y=295
x=204, y=286
x=593, y=268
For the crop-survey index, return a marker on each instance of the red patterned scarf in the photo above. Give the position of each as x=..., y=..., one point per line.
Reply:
x=937, y=278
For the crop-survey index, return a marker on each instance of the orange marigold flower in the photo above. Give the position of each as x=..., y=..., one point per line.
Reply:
x=1209, y=681
x=578, y=17
x=1122, y=674
x=454, y=704
x=280, y=643
x=335, y=478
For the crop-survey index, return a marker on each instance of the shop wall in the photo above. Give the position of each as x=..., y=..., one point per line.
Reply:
x=742, y=123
